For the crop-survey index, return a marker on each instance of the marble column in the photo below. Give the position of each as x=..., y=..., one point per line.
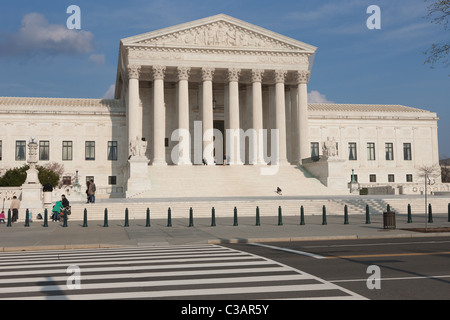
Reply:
x=257, y=118
x=207, y=115
x=183, y=114
x=134, y=112
x=303, y=131
x=159, y=117
x=280, y=115
x=233, y=138
x=295, y=134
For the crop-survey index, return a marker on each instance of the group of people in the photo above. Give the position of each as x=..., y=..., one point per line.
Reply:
x=90, y=191
x=60, y=208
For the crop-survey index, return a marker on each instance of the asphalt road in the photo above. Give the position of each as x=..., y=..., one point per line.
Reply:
x=389, y=269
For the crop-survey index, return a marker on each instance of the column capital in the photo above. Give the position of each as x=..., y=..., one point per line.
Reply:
x=233, y=74
x=158, y=72
x=134, y=71
x=207, y=73
x=257, y=75
x=302, y=76
x=183, y=73
x=280, y=76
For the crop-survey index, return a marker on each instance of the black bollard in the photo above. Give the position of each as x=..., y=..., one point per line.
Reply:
x=127, y=224
x=147, y=219
x=27, y=218
x=191, y=217
x=430, y=214
x=367, y=214
x=409, y=214
x=258, y=221
x=345, y=214
x=213, y=217
x=105, y=220
x=302, y=216
x=169, y=217
x=9, y=218
x=65, y=219
x=324, y=215
x=85, y=224
x=235, y=220
x=280, y=216
x=449, y=212
x=45, y=218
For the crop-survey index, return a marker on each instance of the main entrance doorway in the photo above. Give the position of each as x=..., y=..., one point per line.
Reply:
x=219, y=143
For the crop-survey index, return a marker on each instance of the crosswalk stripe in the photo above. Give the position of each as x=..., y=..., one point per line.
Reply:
x=156, y=272
x=143, y=284
x=149, y=274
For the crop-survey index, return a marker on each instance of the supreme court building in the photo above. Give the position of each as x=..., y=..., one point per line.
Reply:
x=219, y=94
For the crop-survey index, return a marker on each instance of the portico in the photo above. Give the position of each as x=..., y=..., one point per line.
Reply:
x=218, y=68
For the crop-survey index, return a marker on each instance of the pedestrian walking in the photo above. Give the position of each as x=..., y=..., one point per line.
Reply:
x=15, y=206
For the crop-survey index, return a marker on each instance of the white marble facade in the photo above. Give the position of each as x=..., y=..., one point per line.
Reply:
x=222, y=73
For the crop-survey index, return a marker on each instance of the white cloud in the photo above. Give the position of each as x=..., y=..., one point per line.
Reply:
x=98, y=59
x=37, y=35
x=110, y=93
x=317, y=97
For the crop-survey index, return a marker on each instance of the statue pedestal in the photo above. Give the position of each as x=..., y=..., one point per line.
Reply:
x=32, y=198
x=138, y=178
x=329, y=171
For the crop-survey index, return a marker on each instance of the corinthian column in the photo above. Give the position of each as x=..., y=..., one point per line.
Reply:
x=280, y=115
x=207, y=115
x=233, y=135
x=257, y=147
x=302, y=116
x=134, y=112
x=183, y=114
x=159, y=117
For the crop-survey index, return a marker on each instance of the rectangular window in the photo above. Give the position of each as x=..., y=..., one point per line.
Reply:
x=407, y=151
x=21, y=149
x=409, y=178
x=44, y=150
x=1, y=149
x=67, y=150
x=67, y=180
x=112, y=150
x=389, y=151
x=391, y=178
x=352, y=151
x=89, y=150
x=370, y=151
x=373, y=178
x=314, y=149
x=112, y=180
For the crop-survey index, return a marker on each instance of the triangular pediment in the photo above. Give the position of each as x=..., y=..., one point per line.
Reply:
x=219, y=32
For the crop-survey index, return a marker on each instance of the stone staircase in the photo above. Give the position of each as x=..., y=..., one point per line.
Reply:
x=231, y=181
x=224, y=207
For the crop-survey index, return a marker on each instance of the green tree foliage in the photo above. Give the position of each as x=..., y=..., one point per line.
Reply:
x=15, y=177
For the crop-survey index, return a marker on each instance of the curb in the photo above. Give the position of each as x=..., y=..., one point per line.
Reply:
x=226, y=241
x=325, y=238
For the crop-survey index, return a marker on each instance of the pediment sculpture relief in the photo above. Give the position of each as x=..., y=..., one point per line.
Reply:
x=219, y=34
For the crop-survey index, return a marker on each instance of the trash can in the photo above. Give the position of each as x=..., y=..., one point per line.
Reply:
x=389, y=220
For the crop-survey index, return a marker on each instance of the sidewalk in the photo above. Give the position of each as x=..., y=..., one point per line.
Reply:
x=55, y=236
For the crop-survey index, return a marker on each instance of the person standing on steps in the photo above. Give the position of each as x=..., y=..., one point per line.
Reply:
x=91, y=191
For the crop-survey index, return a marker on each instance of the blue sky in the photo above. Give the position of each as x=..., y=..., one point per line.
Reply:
x=40, y=57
